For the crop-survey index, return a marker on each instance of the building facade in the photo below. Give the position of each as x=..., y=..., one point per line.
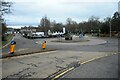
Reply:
x=28, y=29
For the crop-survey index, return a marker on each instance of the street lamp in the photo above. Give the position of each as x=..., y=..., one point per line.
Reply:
x=110, y=27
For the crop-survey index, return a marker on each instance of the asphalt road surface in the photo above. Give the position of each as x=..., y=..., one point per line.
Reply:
x=106, y=67
x=41, y=65
x=24, y=43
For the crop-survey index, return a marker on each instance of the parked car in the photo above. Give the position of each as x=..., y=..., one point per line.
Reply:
x=68, y=36
x=38, y=35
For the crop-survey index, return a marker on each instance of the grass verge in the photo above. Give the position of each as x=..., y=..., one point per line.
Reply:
x=8, y=38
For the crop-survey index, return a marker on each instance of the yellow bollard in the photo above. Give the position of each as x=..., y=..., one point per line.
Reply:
x=12, y=47
x=44, y=45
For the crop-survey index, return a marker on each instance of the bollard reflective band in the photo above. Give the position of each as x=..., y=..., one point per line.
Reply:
x=12, y=42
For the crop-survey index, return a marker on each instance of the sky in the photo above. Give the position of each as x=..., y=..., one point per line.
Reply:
x=30, y=12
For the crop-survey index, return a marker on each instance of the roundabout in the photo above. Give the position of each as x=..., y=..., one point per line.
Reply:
x=76, y=41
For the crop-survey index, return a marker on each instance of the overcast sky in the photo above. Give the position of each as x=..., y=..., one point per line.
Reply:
x=29, y=12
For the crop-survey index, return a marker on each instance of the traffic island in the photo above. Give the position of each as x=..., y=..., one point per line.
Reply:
x=26, y=52
x=70, y=41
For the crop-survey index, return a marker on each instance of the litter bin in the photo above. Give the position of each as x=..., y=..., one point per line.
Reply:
x=12, y=47
x=44, y=45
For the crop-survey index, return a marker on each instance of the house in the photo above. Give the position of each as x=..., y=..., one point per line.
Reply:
x=10, y=31
x=28, y=29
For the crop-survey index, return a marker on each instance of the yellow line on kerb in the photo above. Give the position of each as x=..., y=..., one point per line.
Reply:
x=62, y=73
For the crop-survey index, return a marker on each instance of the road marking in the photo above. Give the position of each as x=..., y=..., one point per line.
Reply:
x=63, y=73
x=84, y=62
x=93, y=59
x=87, y=61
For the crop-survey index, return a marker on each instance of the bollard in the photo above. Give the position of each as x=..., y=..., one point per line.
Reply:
x=12, y=47
x=44, y=45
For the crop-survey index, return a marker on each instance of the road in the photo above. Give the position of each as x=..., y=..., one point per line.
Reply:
x=41, y=65
x=24, y=43
x=106, y=67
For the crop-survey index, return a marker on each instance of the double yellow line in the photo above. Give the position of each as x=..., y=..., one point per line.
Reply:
x=56, y=77
x=84, y=62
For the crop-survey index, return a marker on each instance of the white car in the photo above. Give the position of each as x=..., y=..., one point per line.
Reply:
x=38, y=35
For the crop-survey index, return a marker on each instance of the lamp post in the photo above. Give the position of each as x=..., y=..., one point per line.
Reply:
x=110, y=27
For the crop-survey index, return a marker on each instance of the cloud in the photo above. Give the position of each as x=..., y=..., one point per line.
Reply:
x=22, y=20
x=61, y=1
x=31, y=11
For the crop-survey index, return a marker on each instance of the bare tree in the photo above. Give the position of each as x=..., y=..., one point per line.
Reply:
x=45, y=23
x=5, y=8
x=58, y=27
x=94, y=23
x=71, y=25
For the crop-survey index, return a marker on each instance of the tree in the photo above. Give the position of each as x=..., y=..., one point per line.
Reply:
x=57, y=27
x=68, y=24
x=94, y=23
x=4, y=28
x=71, y=25
x=45, y=24
x=115, y=22
x=52, y=24
x=105, y=27
x=83, y=27
x=5, y=8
